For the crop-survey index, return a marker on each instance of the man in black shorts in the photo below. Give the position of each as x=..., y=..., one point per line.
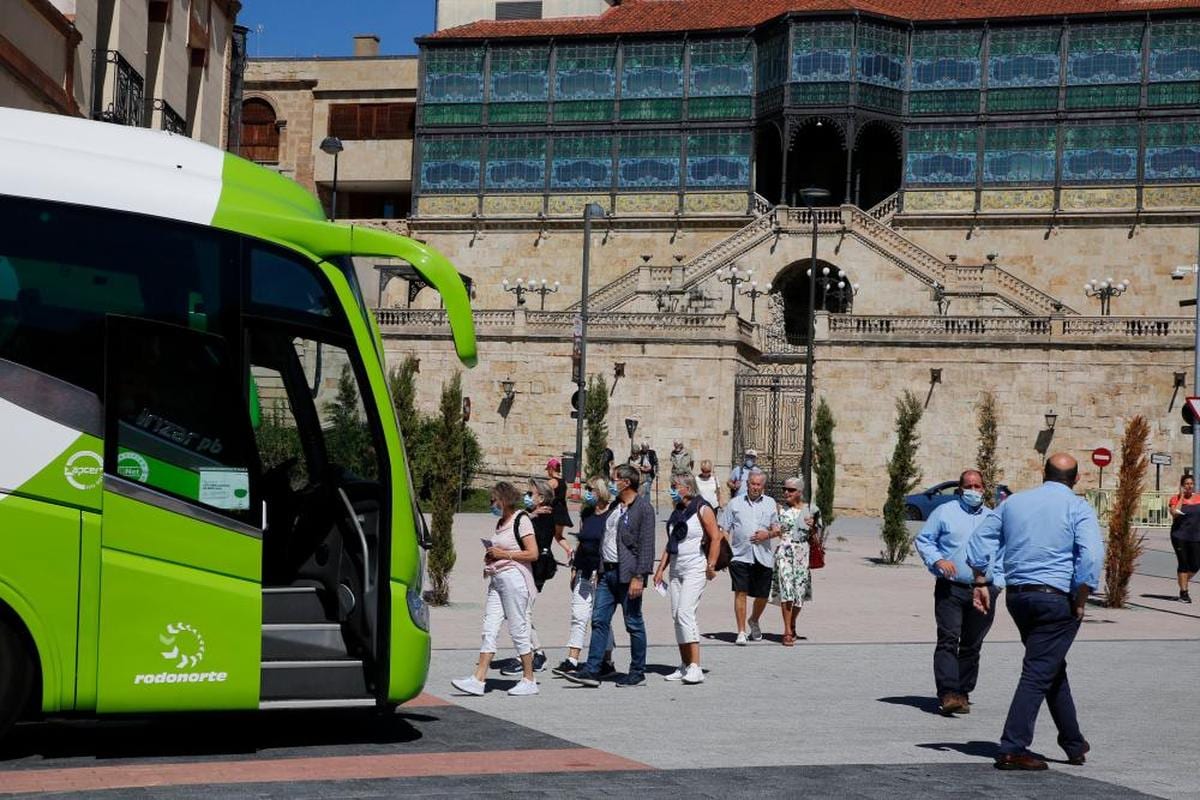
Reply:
x=752, y=522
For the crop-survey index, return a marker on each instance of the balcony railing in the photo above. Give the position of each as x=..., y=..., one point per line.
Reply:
x=168, y=119
x=124, y=88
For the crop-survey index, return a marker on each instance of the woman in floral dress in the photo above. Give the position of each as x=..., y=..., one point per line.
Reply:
x=791, y=585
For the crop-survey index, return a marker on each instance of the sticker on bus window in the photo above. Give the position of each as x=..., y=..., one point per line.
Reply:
x=225, y=488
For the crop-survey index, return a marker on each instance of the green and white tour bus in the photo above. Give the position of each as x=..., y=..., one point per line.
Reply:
x=186, y=522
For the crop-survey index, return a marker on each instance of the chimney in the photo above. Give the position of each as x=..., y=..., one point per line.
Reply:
x=366, y=45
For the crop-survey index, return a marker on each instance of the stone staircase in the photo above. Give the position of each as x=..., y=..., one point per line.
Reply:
x=872, y=228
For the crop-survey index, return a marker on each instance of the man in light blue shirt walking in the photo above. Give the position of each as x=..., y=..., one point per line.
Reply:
x=1052, y=560
x=752, y=522
x=961, y=628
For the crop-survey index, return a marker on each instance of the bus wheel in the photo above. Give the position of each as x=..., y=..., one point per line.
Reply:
x=16, y=676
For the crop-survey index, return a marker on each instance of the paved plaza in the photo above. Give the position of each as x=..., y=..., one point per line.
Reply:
x=848, y=712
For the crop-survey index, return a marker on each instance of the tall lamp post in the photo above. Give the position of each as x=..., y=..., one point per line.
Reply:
x=590, y=212
x=1106, y=290
x=332, y=145
x=733, y=277
x=810, y=197
x=753, y=293
x=1179, y=274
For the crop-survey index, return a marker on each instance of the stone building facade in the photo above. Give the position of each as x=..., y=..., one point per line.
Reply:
x=167, y=64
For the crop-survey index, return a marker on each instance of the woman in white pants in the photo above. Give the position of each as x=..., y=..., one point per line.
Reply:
x=510, y=591
x=597, y=503
x=691, y=569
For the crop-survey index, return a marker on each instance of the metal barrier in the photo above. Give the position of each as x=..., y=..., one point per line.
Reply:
x=1153, y=510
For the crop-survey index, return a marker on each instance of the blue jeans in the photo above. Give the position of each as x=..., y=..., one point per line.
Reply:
x=1048, y=626
x=609, y=593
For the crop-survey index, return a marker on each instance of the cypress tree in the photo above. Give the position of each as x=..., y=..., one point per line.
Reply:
x=903, y=476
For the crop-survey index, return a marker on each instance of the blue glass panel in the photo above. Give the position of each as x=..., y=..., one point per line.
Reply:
x=1023, y=57
x=943, y=59
x=519, y=74
x=516, y=163
x=1175, y=51
x=821, y=51
x=453, y=75
x=940, y=156
x=587, y=72
x=649, y=161
x=719, y=159
x=721, y=68
x=1104, y=54
x=1097, y=165
x=582, y=162
x=881, y=55
x=652, y=70
x=1019, y=155
x=1173, y=151
x=449, y=164
x=772, y=63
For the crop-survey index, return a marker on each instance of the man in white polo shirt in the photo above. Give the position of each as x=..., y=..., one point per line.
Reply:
x=752, y=522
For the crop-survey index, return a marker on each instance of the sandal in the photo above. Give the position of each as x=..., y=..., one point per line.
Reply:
x=789, y=640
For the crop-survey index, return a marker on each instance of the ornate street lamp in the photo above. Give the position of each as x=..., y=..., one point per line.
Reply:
x=1105, y=290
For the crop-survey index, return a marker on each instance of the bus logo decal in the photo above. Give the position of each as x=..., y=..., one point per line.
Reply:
x=189, y=651
x=84, y=469
x=131, y=465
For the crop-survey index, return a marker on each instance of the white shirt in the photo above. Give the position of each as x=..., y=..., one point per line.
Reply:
x=608, y=548
x=708, y=489
x=689, y=548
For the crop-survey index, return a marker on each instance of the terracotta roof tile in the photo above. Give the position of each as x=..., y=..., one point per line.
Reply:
x=676, y=16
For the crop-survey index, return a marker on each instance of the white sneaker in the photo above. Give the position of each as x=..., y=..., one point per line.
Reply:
x=469, y=685
x=693, y=674
x=741, y=639
x=523, y=688
x=755, y=632
x=678, y=674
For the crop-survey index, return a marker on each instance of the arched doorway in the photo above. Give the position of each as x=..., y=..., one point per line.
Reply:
x=259, y=135
x=817, y=158
x=876, y=164
x=834, y=292
x=768, y=163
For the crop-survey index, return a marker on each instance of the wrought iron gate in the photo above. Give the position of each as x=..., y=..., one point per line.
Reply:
x=768, y=415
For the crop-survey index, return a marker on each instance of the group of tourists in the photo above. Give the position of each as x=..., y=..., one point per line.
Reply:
x=765, y=546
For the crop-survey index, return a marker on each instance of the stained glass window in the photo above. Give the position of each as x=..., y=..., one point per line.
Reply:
x=516, y=163
x=1099, y=54
x=582, y=162
x=881, y=55
x=452, y=114
x=450, y=164
x=585, y=83
x=652, y=82
x=649, y=161
x=519, y=74
x=946, y=59
x=1174, y=63
x=821, y=51
x=1172, y=151
x=1100, y=153
x=772, y=62
x=1182, y=93
x=454, y=75
x=955, y=101
x=1032, y=98
x=1020, y=57
x=940, y=156
x=1019, y=155
x=881, y=97
x=721, y=79
x=719, y=159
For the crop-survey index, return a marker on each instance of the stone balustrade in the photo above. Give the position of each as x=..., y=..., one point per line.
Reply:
x=519, y=322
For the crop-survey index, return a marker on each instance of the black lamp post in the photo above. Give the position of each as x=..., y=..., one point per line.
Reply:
x=332, y=145
x=810, y=197
x=753, y=293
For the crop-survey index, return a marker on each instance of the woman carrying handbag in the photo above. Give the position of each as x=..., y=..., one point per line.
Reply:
x=791, y=584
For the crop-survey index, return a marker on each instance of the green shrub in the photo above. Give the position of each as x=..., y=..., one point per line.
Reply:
x=903, y=476
x=824, y=461
x=595, y=414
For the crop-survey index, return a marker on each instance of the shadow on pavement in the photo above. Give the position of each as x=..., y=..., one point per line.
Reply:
x=207, y=734
x=1169, y=597
x=976, y=748
x=927, y=704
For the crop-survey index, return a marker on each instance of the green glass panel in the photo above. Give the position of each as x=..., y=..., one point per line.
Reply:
x=880, y=97
x=822, y=36
x=1033, y=138
x=584, y=111
x=576, y=146
x=1119, y=96
x=449, y=148
x=963, y=101
x=1024, y=41
x=1174, y=94
x=946, y=43
x=819, y=94
x=515, y=113
x=668, y=109
x=516, y=147
x=455, y=114
x=648, y=145
x=939, y=140
x=1100, y=136
x=719, y=107
x=1037, y=98
x=1173, y=134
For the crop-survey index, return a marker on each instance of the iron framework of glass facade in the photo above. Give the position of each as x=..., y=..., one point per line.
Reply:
x=1079, y=102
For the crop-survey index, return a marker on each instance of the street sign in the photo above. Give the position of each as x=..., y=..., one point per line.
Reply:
x=1160, y=459
x=1191, y=409
x=1102, y=457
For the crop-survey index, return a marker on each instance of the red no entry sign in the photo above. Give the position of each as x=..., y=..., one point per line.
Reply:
x=1101, y=457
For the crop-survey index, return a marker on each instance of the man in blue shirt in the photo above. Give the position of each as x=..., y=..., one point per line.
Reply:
x=752, y=522
x=942, y=544
x=1052, y=559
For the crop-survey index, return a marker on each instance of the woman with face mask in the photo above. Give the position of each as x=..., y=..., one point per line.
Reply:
x=510, y=591
x=597, y=505
x=690, y=569
x=538, y=502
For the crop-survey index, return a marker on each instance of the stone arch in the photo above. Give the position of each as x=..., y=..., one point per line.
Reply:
x=259, y=140
x=833, y=292
x=817, y=157
x=875, y=167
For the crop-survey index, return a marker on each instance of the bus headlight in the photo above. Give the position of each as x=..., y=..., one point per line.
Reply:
x=418, y=609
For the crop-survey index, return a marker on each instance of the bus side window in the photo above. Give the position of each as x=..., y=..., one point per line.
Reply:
x=177, y=422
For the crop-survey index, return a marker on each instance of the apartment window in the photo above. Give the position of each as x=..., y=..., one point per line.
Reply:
x=519, y=9
x=350, y=121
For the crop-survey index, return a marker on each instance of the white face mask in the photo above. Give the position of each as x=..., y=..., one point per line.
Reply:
x=972, y=498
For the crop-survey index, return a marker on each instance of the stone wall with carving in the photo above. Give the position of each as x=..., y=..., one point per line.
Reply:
x=1122, y=198
x=1017, y=200
x=939, y=201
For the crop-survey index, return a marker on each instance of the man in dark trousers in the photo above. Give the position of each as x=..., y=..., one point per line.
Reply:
x=627, y=557
x=1052, y=560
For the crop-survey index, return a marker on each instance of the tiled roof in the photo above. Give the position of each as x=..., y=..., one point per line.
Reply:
x=652, y=16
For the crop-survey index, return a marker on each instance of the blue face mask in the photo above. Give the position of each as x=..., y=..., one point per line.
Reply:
x=528, y=500
x=497, y=511
x=972, y=498
x=612, y=489
x=676, y=497
x=589, y=498
x=750, y=463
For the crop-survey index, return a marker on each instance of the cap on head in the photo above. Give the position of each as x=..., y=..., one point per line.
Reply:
x=750, y=451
